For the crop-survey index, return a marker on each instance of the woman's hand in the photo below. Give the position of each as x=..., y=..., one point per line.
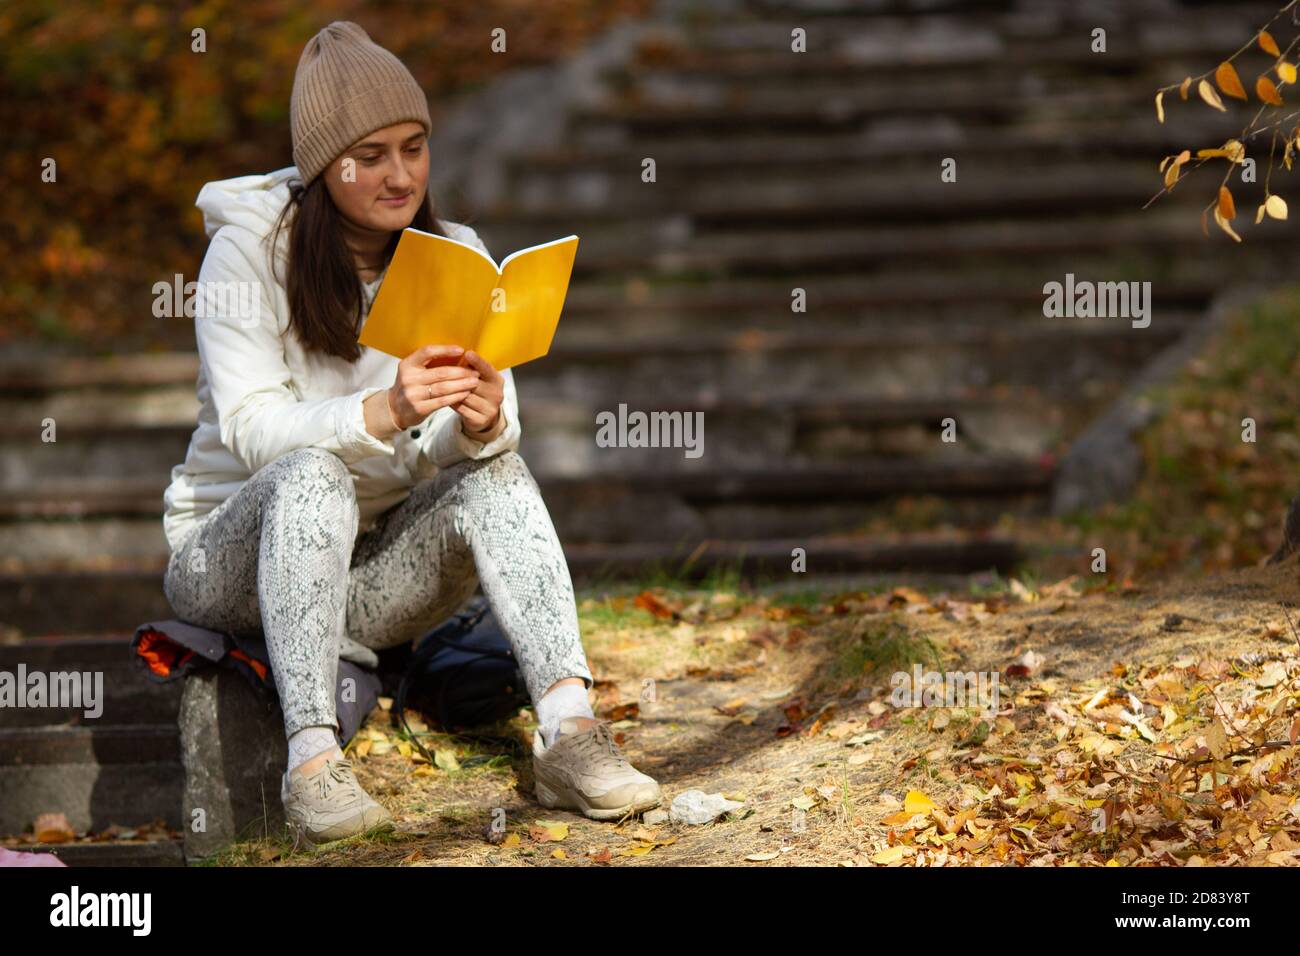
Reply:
x=429, y=379
x=480, y=411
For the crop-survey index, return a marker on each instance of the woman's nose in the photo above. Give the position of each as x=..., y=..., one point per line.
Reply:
x=400, y=178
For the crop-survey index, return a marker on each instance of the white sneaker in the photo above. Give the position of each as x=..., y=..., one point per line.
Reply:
x=329, y=804
x=585, y=770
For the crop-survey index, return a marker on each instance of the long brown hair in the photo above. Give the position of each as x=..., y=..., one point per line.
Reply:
x=324, y=290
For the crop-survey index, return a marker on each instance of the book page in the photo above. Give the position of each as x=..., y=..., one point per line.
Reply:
x=433, y=294
x=534, y=284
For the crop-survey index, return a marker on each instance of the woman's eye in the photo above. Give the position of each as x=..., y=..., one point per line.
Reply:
x=414, y=150
x=370, y=159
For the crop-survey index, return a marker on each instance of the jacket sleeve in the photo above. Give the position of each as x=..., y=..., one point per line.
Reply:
x=444, y=441
x=242, y=354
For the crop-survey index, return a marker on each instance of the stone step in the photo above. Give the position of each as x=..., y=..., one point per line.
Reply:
x=865, y=93
x=590, y=377
x=1001, y=101
x=860, y=367
x=110, y=452
x=101, y=417
x=101, y=744
x=1052, y=245
x=740, y=426
x=75, y=599
x=144, y=370
x=740, y=28
x=759, y=428
x=638, y=304
x=861, y=197
x=969, y=38
x=957, y=473
x=691, y=505
x=65, y=520
x=833, y=88
x=580, y=170
x=128, y=696
x=38, y=387
x=956, y=555
x=774, y=152
x=79, y=412
x=113, y=853
x=127, y=532
x=95, y=775
x=729, y=15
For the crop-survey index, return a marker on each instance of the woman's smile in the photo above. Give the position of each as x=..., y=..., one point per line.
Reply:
x=395, y=201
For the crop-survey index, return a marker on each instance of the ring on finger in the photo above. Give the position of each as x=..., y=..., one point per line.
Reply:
x=430, y=392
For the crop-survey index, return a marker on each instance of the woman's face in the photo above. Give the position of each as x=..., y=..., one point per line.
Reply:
x=379, y=181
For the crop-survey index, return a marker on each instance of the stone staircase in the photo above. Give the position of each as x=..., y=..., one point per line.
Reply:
x=775, y=171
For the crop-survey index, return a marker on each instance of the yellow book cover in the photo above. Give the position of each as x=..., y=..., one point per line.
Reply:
x=438, y=291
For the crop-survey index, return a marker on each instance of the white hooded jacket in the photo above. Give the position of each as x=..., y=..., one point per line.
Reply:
x=262, y=396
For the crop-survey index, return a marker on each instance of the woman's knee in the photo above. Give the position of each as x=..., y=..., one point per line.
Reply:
x=502, y=468
x=319, y=481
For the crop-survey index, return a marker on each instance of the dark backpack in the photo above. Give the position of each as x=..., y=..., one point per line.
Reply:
x=462, y=674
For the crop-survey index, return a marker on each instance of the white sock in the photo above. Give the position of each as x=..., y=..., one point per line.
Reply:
x=309, y=742
x=567, y=700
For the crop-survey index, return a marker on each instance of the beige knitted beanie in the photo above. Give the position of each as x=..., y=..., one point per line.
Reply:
x=347, y=86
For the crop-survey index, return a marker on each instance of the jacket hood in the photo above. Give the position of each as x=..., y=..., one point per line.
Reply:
x=253, y=202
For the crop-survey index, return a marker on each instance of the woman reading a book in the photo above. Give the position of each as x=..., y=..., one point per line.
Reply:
x=342, y=500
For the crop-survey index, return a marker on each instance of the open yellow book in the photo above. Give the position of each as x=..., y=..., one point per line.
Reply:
x=438, y=291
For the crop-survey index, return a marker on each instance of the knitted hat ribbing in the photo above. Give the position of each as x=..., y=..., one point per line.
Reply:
x=347, y=86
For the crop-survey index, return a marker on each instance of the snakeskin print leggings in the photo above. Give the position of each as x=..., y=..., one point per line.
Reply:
x=282, y=556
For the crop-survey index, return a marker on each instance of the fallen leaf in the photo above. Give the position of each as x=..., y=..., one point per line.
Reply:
x=446, y=760
x=917, y=802
x=648, y=602
x=53, y=828
x=544, y=831
x=891, y=855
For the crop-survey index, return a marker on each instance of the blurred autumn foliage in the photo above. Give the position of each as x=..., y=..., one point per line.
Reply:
x=137, y=122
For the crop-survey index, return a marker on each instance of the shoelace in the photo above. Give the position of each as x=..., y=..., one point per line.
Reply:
x=337, y=771
x=599, y=738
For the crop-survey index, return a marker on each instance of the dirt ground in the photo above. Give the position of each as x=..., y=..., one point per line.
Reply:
x=1134, y=726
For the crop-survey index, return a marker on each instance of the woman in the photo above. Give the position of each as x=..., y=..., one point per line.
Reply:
x=342, y=501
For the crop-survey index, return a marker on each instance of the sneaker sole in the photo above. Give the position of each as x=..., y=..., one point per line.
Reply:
x=566, y=799
x=301, y=832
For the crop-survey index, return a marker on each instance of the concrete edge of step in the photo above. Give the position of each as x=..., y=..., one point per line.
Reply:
x=1105, y=464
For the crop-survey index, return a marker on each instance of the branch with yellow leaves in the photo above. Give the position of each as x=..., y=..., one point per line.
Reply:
x=1228, y=81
